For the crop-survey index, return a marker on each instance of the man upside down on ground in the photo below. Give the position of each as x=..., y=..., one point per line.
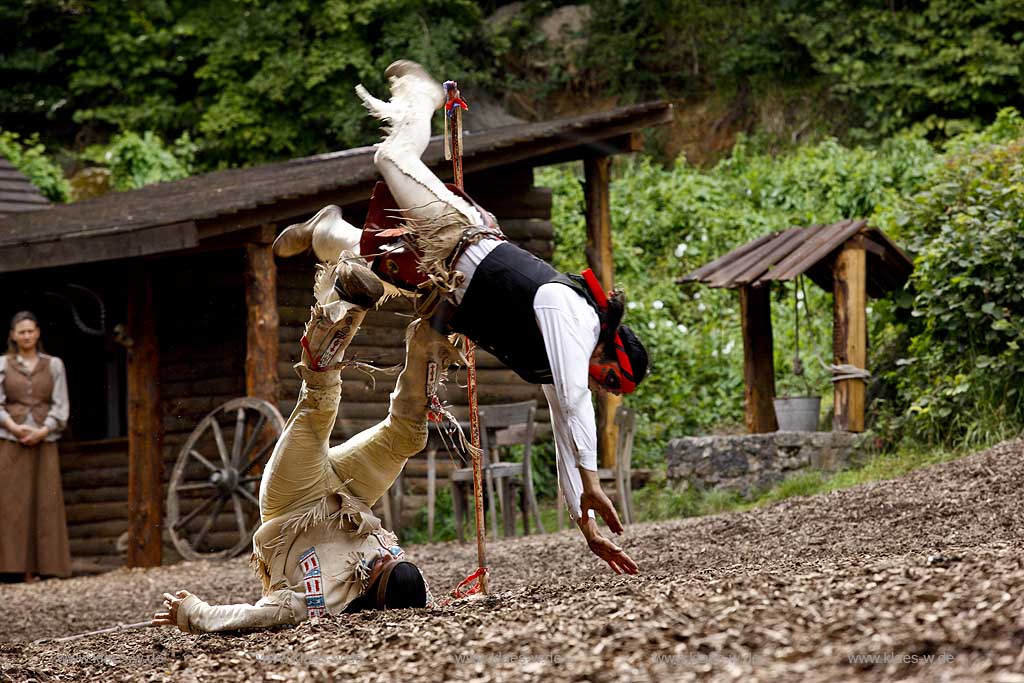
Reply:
x=319, y=549
x=555, y=329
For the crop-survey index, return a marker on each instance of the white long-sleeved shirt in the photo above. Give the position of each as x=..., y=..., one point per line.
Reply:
x=570, y=328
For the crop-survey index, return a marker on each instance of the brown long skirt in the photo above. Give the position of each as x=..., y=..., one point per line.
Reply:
x=33, y=527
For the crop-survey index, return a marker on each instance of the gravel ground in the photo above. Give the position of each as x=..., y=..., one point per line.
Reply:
x=919, y=578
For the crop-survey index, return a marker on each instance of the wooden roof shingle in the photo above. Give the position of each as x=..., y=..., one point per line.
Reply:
x=17, y=193
x=784, y=255
x=180, y=214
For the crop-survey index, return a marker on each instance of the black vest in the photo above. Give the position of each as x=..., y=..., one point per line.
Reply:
x=497, y=310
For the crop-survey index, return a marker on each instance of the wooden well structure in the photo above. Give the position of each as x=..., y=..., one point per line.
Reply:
x=851, y=260
x=197, y=311
x=17, y=193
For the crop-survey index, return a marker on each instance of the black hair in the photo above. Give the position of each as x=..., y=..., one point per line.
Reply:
x=635, y=350
x=610, y=319
x=405, y=588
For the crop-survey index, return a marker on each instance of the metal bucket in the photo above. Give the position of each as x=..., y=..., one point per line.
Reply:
x=798, y=413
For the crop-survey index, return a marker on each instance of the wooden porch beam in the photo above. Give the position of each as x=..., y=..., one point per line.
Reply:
x=145, y=429
x=758, y=359
x=262, y=345
x=597, y=175
x=850, y=333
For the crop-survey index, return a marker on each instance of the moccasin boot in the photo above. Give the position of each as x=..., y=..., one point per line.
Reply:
x=415, y=96
x=344, y=292
x=423, y=198
x=326, y=233
x=428, y=355
x=355, y=283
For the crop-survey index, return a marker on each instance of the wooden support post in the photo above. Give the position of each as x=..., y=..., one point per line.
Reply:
x=145, y=429
x=758, y=359
x=261, y=354
x=597, y=173
x=850, y=337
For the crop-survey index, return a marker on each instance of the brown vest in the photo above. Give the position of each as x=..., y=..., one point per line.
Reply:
x=28, y=393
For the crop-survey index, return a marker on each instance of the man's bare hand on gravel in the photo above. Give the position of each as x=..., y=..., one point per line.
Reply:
x=171, y=604
x=615, y=556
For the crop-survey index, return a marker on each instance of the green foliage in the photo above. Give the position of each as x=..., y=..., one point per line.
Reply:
x=444, y=521
x=946, y=351
x=889, y=64
x=634, y=51
x=249, y=81
x=805, y=483
x=902, y=62
x=29, y=157
x=668, y=222
x=135, y=161
x=657, y=500
x=961, y=373
x=259, y=81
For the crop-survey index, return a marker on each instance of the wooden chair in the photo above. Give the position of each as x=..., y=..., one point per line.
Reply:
x=502, y=425
x=621, y=475
x=391, y=503
x=436, y=441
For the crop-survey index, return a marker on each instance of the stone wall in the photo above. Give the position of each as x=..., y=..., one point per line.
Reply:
x=753, y=462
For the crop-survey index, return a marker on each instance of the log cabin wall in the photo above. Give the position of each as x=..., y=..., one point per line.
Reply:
x=199, y=302
x=524, y=213
x=95, y=478
x=201, y=323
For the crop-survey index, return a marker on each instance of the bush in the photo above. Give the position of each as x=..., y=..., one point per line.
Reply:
x=29, y=157
x=138, y=160
x=962, y=370
x=899, y=63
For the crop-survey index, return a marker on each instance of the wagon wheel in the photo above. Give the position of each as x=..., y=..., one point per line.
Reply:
x=212, y=504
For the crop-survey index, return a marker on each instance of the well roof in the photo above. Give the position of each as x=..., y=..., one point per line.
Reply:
x=784, y=255
x=17, y=193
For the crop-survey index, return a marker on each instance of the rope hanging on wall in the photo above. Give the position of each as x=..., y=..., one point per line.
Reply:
x=840, y=371
x=845, y=371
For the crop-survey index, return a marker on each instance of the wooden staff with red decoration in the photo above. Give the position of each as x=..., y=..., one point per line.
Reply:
x=453, y=108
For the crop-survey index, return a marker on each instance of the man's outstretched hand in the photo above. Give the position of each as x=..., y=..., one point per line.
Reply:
x=594, y=498
x=616, y=557
x=600, y=503
x=171, y=604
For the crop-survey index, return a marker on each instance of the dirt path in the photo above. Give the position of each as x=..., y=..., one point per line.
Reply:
x=921, y=578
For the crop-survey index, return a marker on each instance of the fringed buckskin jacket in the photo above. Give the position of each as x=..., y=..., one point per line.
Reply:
x=311, y=562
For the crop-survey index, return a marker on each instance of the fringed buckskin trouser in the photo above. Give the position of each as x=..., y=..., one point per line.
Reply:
x=438, y=219
x=304, y=468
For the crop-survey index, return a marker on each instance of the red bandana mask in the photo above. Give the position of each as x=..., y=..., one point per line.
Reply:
x=615, y=378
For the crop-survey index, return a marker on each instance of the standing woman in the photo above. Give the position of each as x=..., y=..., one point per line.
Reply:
x=33, y=412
